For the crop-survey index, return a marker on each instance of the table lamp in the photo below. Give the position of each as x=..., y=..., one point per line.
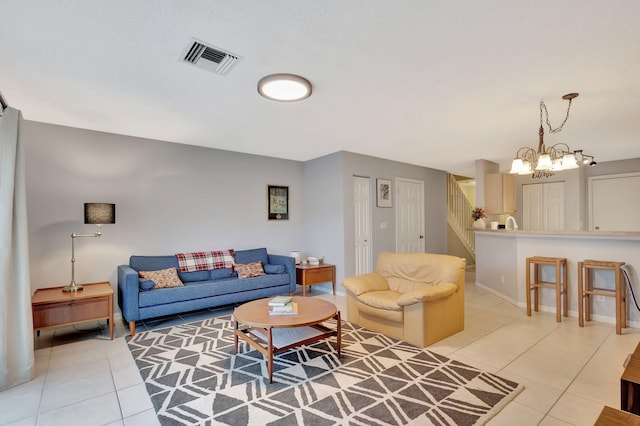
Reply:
x=94, y=214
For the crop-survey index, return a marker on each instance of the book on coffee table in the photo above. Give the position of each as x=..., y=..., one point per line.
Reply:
x=289, y=309
x=280, y=301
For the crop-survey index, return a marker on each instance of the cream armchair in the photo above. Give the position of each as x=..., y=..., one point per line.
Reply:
x=415, y=297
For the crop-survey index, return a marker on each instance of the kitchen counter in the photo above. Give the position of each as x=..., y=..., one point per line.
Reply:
x=561, y=234
x=501, y=264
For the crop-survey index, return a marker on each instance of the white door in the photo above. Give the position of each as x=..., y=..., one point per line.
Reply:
x=362, y=224
x=409, y=216
x=554, y=206
x=614, y=202
x=532, y=207
x=543, y=206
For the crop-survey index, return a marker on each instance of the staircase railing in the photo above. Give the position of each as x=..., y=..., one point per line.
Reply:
x=459, y=214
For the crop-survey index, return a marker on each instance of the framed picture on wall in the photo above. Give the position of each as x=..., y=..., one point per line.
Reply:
x=383, y=198
x=278, y=202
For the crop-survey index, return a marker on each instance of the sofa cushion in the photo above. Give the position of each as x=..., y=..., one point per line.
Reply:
x=274, y=269
x=249, y=270
x=218, y=274
x=204, y=289
x=387, y=300
x=146, y=285
x=427, y=294
x=155, y=263
x=254, y=255
x=410, y=268
x=163, y=278
x=383, y=314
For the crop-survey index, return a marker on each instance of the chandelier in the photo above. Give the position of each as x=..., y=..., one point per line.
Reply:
x=544, y=161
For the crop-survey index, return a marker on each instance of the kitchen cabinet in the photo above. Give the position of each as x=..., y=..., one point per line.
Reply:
x=499, y=193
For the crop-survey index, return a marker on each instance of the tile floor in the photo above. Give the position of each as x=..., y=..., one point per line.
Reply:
x=83, y=378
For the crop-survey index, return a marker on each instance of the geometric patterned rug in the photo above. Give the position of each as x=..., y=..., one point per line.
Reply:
x=194, y=377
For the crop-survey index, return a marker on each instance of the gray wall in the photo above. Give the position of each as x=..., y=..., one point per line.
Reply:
x=435, y=196
x=169, y=198
x=173, y=197
x=323, y=205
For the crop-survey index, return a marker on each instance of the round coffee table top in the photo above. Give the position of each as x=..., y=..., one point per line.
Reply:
x=310, y=311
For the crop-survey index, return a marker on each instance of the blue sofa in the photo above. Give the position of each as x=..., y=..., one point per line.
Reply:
x=202, y=289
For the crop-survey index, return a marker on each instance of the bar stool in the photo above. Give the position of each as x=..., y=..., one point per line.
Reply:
x=560, y=284
x=586, y=289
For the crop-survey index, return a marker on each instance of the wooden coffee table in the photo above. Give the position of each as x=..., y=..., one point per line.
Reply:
x=273, y=334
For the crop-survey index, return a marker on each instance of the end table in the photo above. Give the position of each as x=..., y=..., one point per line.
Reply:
x=54, y=308
x=310, y=275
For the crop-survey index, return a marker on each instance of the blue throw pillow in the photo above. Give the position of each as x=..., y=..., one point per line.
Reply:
x=217, y=274
x=274, y=269
x=146, y=285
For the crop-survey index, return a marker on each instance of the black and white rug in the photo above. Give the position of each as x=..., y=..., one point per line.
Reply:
x=193, y=376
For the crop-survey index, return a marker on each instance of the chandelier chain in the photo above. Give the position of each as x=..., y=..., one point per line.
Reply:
x=546, y=114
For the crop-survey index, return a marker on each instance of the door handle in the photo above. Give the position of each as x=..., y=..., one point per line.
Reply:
x=421, y=237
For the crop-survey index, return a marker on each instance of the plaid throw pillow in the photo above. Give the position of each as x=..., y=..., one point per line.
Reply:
x=249, y=270
x=164, y=278
x=205, y=260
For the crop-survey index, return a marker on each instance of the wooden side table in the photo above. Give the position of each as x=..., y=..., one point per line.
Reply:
x=53, y=308
x=310, y=275
x=630, y=384
x=612, y=417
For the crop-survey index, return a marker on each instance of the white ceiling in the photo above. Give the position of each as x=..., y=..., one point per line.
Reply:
x=433, y=83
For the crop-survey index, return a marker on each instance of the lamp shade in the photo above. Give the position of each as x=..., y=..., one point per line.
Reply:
x=516, y=166
x=99, y=213
x=569, y=161
x=544, y=162
x=526, y=168
x=557, y=165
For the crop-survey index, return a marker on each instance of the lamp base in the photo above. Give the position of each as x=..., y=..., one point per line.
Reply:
x=72, y=287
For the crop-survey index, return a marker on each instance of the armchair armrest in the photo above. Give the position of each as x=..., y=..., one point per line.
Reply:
x=427, y=294
x=366, y=283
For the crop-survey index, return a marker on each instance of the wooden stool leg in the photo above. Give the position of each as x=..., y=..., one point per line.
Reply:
x=580, y=296
x=536, y=279
x=623, y=296
x=565, y=284
x=587, y=298
x=618, y=302
x=528, y=287
x=558, y=292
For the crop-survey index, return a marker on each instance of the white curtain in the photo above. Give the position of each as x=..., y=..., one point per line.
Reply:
x=16, y=322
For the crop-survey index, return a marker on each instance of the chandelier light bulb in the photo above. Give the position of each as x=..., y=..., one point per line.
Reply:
x=544, y=162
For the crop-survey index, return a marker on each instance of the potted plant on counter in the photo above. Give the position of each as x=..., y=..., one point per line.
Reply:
x=478, y=218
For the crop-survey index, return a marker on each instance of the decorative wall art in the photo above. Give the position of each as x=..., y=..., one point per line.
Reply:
x=383, y=192
x=278, y=202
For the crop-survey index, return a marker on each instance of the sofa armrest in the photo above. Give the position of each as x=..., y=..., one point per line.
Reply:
x=365, y=283
x=427, y=294
x=290, y=264
x=128, y=289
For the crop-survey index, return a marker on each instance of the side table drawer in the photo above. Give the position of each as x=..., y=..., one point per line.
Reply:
x=50, y=314
x=315, y=276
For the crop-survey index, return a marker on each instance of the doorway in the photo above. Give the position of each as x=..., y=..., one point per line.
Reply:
x=410, y=226
x=362, y=224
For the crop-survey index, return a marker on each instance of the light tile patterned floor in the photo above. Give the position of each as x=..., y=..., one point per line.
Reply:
x=569, y=372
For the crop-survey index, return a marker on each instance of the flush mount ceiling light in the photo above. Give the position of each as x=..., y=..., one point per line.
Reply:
x=284, y=87
x=544, y=161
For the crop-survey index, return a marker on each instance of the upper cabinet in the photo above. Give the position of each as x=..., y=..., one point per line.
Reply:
x=499, y=193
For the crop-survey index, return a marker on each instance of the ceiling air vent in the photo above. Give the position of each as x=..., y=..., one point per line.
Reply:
x=209, y=58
